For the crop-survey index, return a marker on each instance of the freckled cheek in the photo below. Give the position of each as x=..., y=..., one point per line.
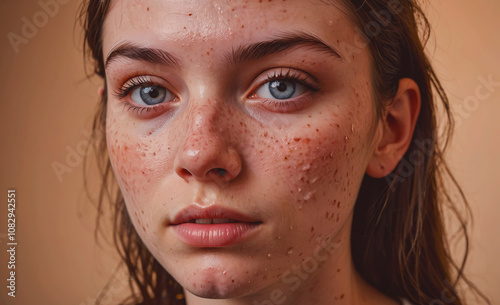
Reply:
x=321, y=174
x=133, y=159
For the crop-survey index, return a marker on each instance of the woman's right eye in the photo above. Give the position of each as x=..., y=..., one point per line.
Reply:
x=145, y=93
x=151, y=95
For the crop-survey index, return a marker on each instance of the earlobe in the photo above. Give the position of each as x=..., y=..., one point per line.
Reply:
x=398, y=125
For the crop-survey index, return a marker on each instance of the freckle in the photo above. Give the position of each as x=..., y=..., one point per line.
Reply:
x=144, y=228
x=190, y=14
x=242, y=26
x=338, y=270
x=148, y=9
x=312, y=229
x=341, y=296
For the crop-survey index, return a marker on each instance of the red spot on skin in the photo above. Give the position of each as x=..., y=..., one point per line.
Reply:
x=296, y=139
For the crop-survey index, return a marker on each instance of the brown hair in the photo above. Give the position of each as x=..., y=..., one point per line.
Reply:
x=399, y=241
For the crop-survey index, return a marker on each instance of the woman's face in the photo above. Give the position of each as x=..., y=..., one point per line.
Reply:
x=239, y=133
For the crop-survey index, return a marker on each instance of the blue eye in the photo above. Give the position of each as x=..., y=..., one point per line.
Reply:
x=280, y=89
x=151, y=95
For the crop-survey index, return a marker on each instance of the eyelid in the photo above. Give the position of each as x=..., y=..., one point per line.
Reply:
x=124, y=94
x=141, y=80
x=303, y=78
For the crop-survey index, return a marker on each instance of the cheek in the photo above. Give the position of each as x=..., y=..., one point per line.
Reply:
x=130, y=159
x=319, y=170
x=136, y=158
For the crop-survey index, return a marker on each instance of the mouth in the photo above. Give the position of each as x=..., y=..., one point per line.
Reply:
x=213, y=226
x=209, y=221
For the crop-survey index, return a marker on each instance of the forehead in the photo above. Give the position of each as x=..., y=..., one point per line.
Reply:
x=221, y=23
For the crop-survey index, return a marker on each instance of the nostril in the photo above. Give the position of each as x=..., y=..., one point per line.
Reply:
x=220, y=171
x=184, y=173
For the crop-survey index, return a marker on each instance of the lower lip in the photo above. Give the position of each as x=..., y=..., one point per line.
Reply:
x=214, y=235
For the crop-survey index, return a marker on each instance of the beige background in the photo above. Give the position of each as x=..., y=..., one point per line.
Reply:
x=46, y=107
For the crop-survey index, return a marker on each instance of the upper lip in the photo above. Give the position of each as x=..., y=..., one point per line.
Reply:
x=193, y=212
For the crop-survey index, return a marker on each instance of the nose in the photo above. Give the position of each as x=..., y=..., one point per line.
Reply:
x=207, y=153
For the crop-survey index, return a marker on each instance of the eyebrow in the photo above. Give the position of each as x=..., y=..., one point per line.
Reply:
x=242, y=53
x=283, y=42
x=150, y=55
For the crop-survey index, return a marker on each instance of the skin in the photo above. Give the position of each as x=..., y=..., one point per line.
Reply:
x=295, y=168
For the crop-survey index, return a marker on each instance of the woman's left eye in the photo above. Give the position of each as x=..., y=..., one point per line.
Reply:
x=280, y=89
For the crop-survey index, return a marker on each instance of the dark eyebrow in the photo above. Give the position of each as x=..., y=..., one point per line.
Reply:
x=151, y=55
x=280, y=44
x=243, y=53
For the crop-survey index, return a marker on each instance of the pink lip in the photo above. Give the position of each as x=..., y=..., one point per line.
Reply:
x=214, y=234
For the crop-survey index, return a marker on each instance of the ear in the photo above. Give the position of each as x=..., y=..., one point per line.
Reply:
x=397, y=126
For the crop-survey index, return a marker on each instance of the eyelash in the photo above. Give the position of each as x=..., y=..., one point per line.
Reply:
x=132, y=84
x=292, y=74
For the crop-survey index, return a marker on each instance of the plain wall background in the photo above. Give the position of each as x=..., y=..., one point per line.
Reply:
x=46, y=109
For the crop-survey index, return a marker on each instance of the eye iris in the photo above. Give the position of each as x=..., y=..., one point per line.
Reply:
x=282, y=89
x=152, y=95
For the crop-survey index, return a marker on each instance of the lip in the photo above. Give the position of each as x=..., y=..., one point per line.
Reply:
x=214, y=234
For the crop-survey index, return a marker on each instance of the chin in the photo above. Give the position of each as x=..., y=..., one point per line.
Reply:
x=217, y=288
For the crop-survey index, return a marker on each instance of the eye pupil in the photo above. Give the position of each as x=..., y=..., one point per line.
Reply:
x=281, y=86
x=281, y=89
x=152, y=91
x=151, y=95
